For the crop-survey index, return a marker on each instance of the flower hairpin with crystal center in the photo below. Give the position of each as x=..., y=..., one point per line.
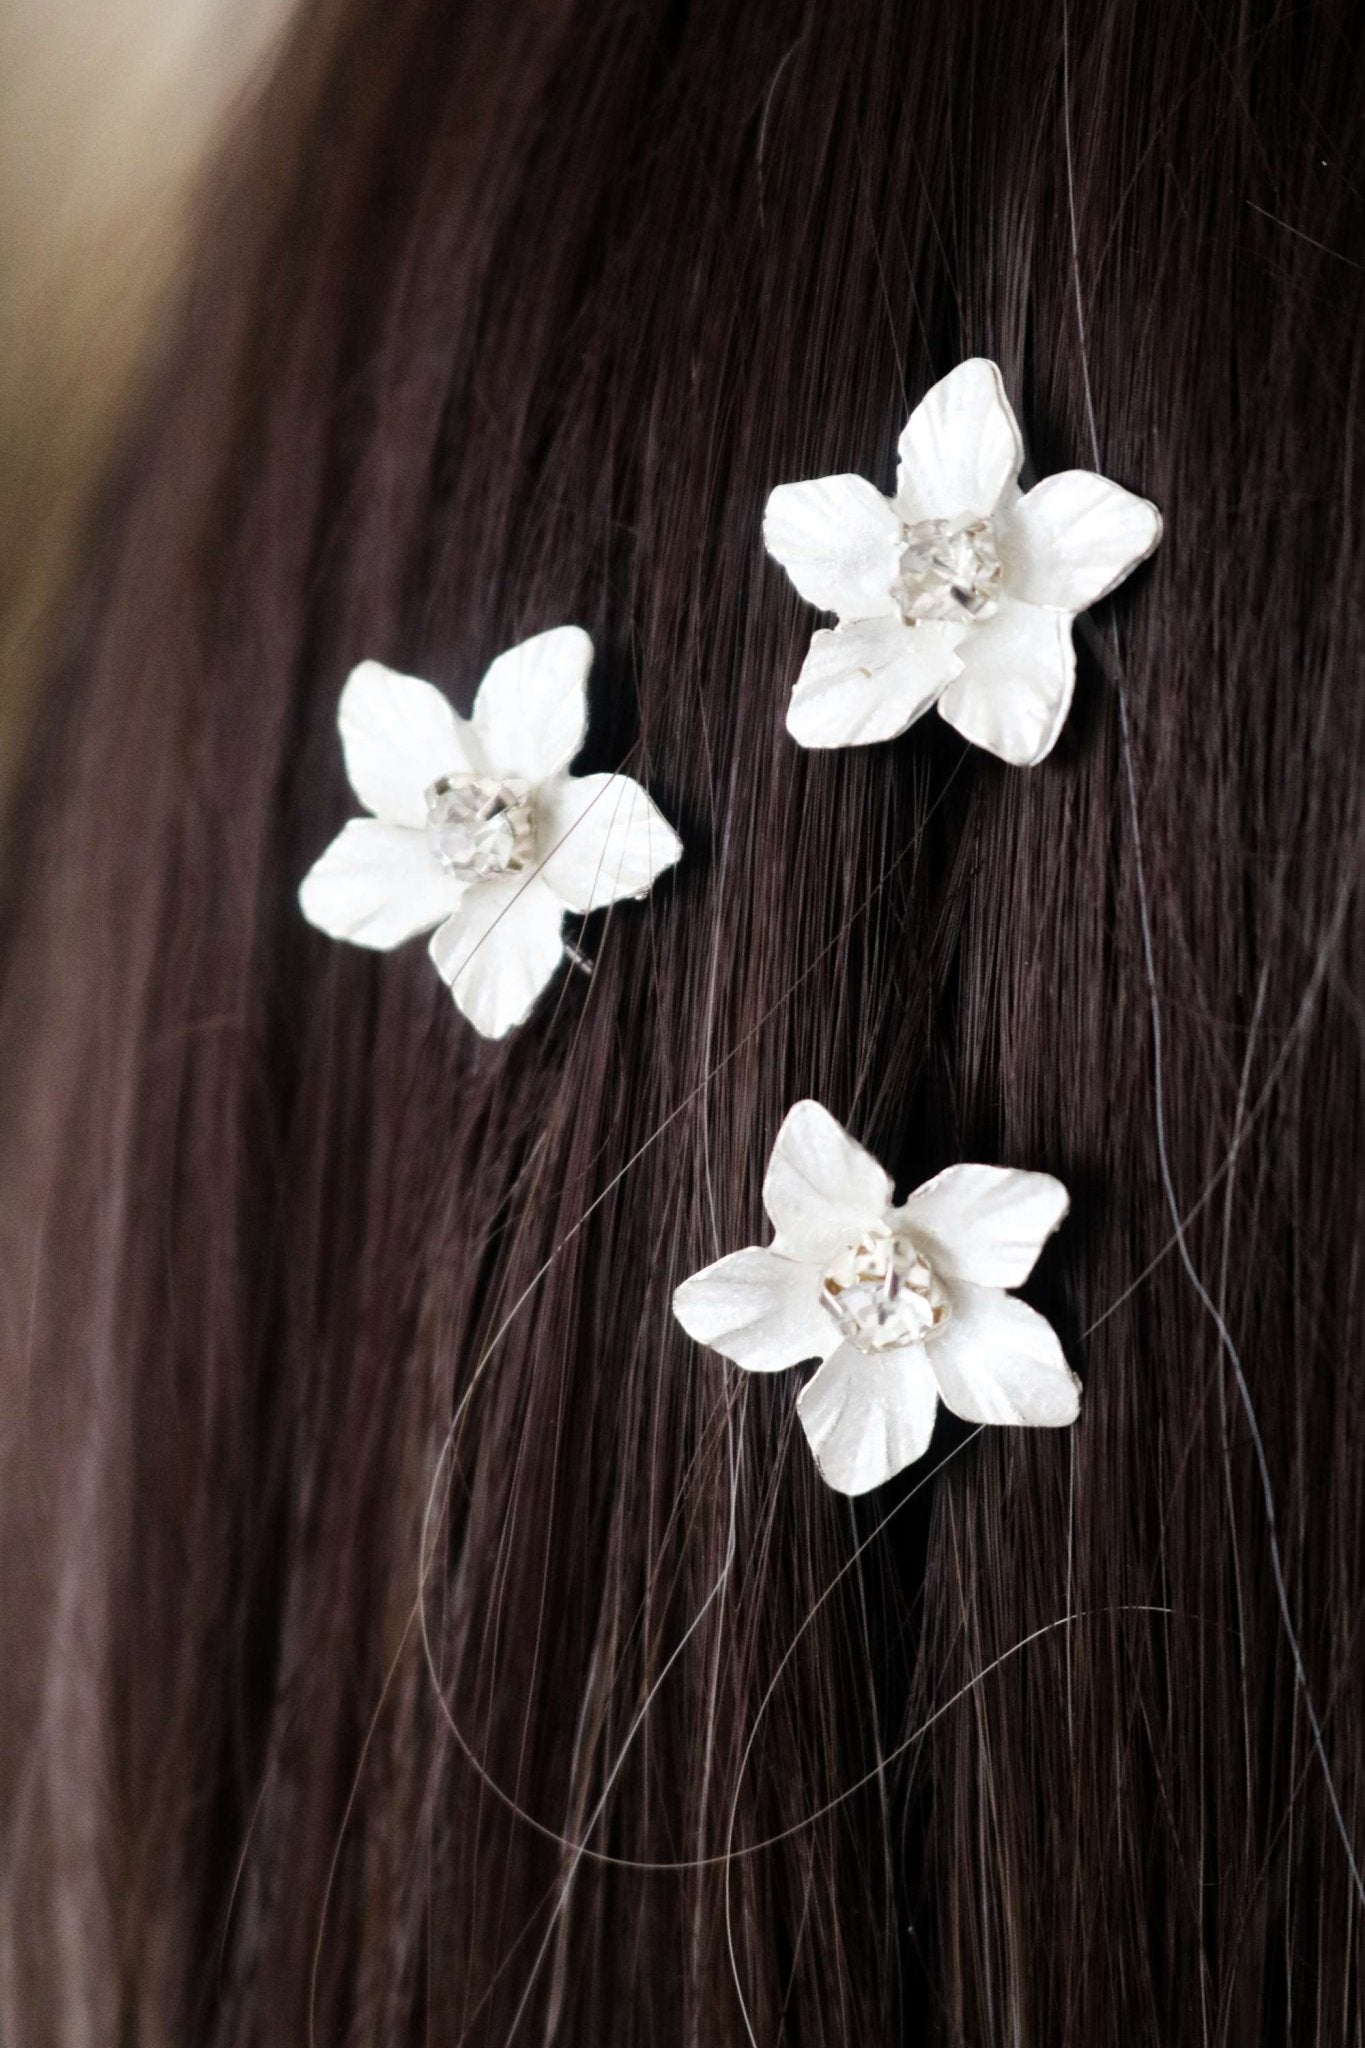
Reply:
x=960, y=591
x=903, y=1306
x=478, y=829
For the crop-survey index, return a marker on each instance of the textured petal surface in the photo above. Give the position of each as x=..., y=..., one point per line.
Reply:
x=869, y=681
x=1073, y=538
x=600, y=837
x=377, y=885
x=868, y=1417
x=500, y=949
x=998, y=1360
x=532, y=708
x=838, y=540
x=758, y=1309
x=1018, y=673
x=961, y=449
x=398, y=735
x=986, y=1223
x=821, y=1188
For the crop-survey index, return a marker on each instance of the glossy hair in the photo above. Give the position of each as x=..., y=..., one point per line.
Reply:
x=409, y=1635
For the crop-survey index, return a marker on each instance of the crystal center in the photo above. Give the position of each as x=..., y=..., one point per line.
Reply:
x=883, y=1293
x=479, y=826
x=949, y=569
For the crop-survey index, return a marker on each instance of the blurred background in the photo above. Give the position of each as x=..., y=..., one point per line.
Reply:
x=108, y=109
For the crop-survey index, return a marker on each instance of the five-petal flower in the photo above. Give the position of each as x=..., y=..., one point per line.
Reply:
x=902, y=1306
x=960, y=591
x=478, y=829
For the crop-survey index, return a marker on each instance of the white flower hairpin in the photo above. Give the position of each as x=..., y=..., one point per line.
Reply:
x=904, y=1306
x=960, y=591
x=478, y=829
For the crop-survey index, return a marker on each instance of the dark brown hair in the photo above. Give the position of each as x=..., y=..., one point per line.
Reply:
x=408, y=1635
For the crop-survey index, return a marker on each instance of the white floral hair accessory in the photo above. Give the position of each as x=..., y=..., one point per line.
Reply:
x=478, y=829
x=960, y=591
x=903, y=1307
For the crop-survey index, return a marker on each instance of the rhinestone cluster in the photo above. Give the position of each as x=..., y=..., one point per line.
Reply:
x=949, y=569
x=480, y=825
x=883, y=1293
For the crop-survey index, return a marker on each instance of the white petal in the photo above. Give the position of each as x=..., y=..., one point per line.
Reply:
x=398, y=735
x=868, y=1417
x=868, y=681
x=1073, y=538
x=961, y=449
x=532, y=709
x=839, y=541
x=998, y=1360
x=821, y=1188
x=500, y=949
x=986, y=1223
x=600, y=838
x=758, y=1309
x=1018, y=673
x=377, y=885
